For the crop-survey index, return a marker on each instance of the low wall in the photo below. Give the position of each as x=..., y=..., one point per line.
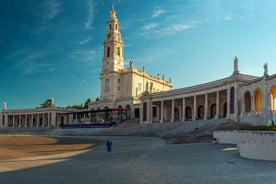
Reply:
x=259, y=145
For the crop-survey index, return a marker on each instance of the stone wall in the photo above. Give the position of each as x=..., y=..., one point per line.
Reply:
x=260, y=145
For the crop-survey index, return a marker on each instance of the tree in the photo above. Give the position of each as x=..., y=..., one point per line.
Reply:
x=97, y=99
x=47, y=103
x=86, y=103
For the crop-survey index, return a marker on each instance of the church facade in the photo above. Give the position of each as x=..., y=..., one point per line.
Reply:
x=150, y=99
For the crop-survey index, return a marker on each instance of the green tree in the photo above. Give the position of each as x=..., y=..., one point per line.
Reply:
x=86, y=103
x=47, y=103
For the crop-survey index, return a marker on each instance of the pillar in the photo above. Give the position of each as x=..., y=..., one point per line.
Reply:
x=195, y=111
x=228, y=102
x=19, y=120
x=236, y=108
x=206, y=107
x=49, y=120
x=217, y=105
x=184, y=109
x=13, y=120
x=162, y=112
x=172, y=117
x=253, y=104
x=6, y=120
x=32, y=120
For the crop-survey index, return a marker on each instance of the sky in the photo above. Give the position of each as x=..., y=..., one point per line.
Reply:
x=54, y=48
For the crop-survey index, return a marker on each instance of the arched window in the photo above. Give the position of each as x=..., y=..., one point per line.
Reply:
x=118, y=51
x=188, y=113
x=247, y=102
x=225, y=110
x=273, y=98
x=106, y=85
x=213, y=110
x=258, y=100
x=176, y=114
x=200, y=112
x=108, y=52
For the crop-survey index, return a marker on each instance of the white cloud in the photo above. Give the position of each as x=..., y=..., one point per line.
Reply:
x=175, y=28
x=150, y=26
x=49, y=9
x=157, y=13
x=84, y=41
x=90, y=16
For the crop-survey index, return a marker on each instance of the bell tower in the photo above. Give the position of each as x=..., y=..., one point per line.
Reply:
x=113, y=59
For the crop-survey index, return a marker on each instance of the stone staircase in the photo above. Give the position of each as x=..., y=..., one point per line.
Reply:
x=191, y=138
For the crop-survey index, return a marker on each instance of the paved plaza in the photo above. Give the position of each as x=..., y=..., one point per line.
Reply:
x=138, y=160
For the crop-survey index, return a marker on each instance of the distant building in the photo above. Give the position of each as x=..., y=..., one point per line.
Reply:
x=150, y=99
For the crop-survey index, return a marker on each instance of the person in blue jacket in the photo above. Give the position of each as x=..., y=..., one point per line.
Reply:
x=109, y=145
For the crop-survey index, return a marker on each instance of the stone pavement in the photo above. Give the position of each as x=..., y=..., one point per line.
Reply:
x=147, y=160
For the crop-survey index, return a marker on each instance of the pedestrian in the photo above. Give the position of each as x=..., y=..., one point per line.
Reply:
x=109, y=145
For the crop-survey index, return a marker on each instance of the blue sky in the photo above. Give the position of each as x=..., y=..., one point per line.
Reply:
x=54, y=48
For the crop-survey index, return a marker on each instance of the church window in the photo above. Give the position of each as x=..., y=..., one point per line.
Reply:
x=110, y=26
x=118, y=88
x=116, y=26
x=108, y=52
x=106, y=85
x=118, y=51
x=119, y=80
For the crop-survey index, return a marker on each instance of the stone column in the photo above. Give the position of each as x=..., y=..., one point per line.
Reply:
x=37, y=120
x=236, y=108
x=206, y=107
x=43, y=119
x=149, y=111
x=53, y=119
x=252, y=104
x=228, y=102
x=26, y=116
x=162, y=112
x=142, y=112
x=184, y=109
x=217, y=105
x=195, y=110
x=6, y=120
x=32, y=120
x=19, y=120
x=172, y=117
x=13, y=120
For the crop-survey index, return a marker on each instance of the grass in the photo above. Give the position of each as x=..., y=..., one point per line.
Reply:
x=260, y=128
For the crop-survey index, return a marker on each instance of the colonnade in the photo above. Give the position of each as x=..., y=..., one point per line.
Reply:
x=36, y=119
x=192, y=106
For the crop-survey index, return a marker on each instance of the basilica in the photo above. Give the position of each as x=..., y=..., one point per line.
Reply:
x=151, y=99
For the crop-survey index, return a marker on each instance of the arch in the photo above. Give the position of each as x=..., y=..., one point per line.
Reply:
x=213, y=110
x=108, y=52
x=176, y=114
x=188, y=113
x=247, y=102
x=273, y=97
x=106, y=85
x=200, y=112
x=225, y=109
x=128, y=112
x=41, y=121
x=120, y=107
x=106, y=107
x=258, y=100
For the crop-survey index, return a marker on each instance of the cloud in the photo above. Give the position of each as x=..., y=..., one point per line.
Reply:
x=90, y=16
x=175, y=28
x=29, y=61
x=49, y=9
x=150, y=26
x=84, y=41
x=157, y=13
